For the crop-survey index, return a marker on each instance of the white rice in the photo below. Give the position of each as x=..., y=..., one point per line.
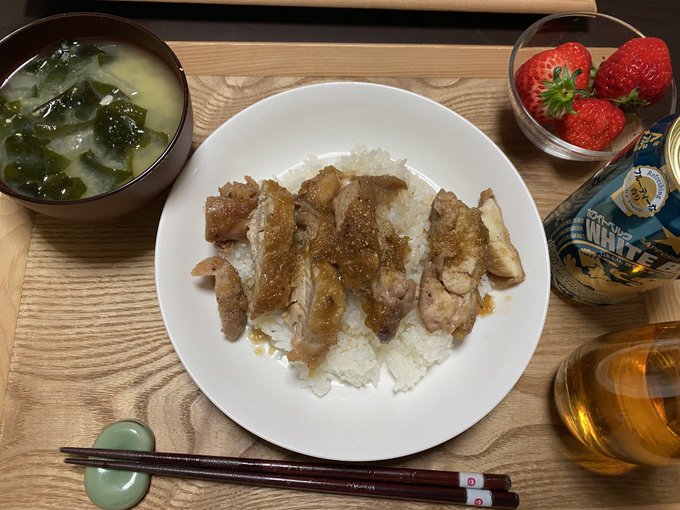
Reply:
x=358, y=356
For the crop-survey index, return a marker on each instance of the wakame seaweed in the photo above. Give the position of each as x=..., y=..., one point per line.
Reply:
x=36, y=170
x=29, y=155
x=111, y=177
x=80, y=100
x=65, y=114
x=53, y=68
x=119, y=127
x=55, y=186
x=55, y=131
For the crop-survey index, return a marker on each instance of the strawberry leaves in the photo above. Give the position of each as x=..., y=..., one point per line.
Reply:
x=540, y=74
x=560, y=93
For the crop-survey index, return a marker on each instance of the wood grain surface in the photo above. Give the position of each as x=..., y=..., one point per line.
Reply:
x=15, y=234
x=350, y=60
x=510, y=6
x=90, y=346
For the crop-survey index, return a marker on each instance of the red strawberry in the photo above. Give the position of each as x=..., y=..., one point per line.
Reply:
x=594, y=125
x=548, y=82
x=635, y=75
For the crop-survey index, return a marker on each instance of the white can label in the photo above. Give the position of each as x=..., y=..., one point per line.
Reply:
x=645, y=190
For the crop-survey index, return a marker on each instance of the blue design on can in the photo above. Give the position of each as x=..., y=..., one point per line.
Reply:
x=619, y=234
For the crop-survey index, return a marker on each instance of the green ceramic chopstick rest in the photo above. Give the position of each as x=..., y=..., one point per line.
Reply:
x=113, y=489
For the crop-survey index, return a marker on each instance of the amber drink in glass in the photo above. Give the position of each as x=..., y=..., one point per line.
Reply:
x=619, y=394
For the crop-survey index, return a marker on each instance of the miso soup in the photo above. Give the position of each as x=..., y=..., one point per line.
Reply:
x=84, y=118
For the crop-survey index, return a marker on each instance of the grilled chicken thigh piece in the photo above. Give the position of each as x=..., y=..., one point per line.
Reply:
x=458, y=239
x=226, y=215
x=358, y=230
x=271, y=231
x=231, y=299
x=441, y=310
x=370, y=254
x=318, y=297
x=392, y=293
x=358, y=249
x=314, y=214
x=318, y=302
x=503, y=261
x=319, y=191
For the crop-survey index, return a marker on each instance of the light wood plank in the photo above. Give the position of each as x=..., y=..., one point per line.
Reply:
x=663, y=304
x=347, y=60
x=352, y=60
x=509, y=6
x=15, y=235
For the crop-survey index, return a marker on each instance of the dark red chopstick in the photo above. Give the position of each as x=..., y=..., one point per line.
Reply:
x=309, y=469
x=392, y=490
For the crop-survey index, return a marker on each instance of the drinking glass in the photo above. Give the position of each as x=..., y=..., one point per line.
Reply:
x=619, y=394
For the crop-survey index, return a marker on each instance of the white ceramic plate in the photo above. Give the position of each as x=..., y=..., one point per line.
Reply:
x=262, y=394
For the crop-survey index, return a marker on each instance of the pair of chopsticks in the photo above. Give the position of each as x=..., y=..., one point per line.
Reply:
x=473, y=489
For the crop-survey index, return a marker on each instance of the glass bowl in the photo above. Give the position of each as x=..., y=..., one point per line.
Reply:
x=602, y=35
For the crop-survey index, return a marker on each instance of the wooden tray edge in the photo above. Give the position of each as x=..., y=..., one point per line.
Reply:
x=490, y=6
x=16, y=226
x=342, y=59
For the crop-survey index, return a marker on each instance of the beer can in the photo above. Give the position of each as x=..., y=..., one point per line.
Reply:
x=618, y=235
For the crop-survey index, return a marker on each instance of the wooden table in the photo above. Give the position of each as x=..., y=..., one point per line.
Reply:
x=83, y=343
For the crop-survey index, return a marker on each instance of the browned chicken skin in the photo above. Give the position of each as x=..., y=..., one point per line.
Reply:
x=458, y=239
x=226, y=215
x=371, y=255
x=316, y=312
x=358, y=229
x=315, y=216
x=271, y=231
x=231, y=299
x=319, y=191
x=318, y=298
x=358, y=249
x=392, y=293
